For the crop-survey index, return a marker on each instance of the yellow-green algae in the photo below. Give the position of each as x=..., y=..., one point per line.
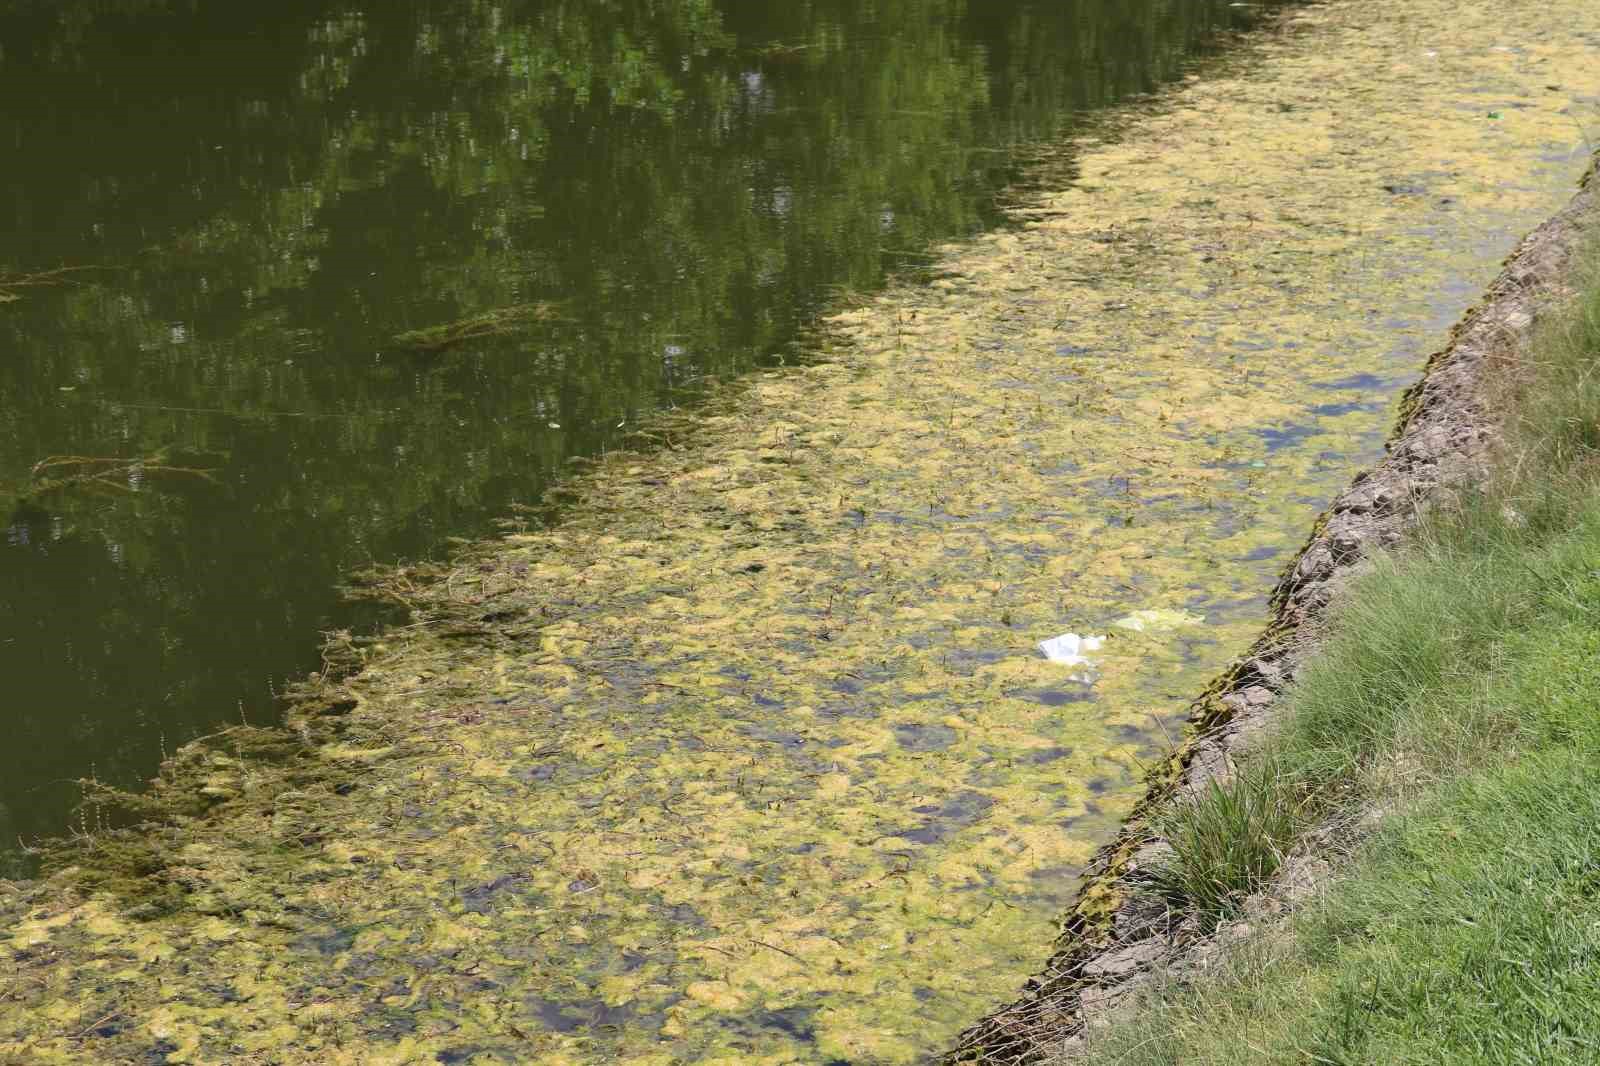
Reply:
x=752, y=758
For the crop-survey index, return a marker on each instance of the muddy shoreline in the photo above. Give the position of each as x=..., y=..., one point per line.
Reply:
x=1119, y=930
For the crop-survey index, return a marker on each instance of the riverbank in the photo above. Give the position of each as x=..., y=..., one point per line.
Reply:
x=752, y=758
x=1318, y=730
x=1435, y=759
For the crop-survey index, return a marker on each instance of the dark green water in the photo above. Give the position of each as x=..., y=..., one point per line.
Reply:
x=267, y=194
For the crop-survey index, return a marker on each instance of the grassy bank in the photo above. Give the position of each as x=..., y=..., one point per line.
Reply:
x=1457, y=694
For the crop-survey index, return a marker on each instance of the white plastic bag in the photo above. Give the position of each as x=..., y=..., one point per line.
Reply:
x=1069, y=649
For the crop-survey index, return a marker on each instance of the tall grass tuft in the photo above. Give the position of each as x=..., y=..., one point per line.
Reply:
x=1228, y=842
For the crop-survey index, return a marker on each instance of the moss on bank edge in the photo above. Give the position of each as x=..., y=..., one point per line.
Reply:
x=752, y=757
x=1456, y=696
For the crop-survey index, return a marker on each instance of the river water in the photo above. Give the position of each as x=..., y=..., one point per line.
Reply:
x=213, y=415
x=751, y=756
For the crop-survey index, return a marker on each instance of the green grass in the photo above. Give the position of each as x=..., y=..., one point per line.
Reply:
x=1231, y=841
x=1460, y=690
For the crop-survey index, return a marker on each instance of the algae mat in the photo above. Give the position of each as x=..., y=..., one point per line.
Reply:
x=753, y=758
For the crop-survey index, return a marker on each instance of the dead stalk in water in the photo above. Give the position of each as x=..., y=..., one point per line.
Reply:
x=106, y=472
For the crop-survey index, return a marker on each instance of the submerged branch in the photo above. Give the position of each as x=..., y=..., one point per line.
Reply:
x=9, y=282
x=57, y=472
x=496, y=323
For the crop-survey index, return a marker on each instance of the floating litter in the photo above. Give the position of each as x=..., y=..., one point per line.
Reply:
x=1069, y=649
x=1157, y=621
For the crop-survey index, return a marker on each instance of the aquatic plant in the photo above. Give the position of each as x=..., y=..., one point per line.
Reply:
x=497, y=323
x=10, y=282
x=56, y=472
x=752, y=757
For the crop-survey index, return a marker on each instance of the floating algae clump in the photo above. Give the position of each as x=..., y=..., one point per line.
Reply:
x=753, y=758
